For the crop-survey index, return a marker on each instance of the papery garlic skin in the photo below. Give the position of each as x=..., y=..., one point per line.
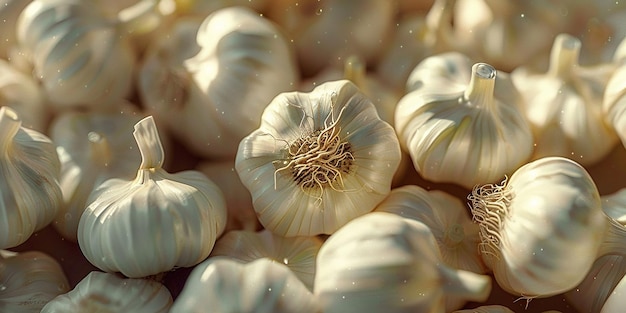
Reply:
x=298, y=253
x=24, y=95
x=29, y=280
x=318, y=160
x=105, y=292
x=211, y=91
x=381, y=262
x=541, y=229
x=564, y=105
x=462, y=123
x=223, y=285
x=30, y=195
x=182, y=214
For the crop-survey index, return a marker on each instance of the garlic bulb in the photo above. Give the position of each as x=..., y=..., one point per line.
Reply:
x=92, y=147
x=155, y=222
x=381, y=262
x=614, y=101
x=105, y=292
x=211, y=81
x=459, y=125
x=223, y=285
x=22, y=94
x=318, y=160
x=564, y=105
x=29, y=280
x=9, y=12
x=81, y=56
x=298, y=253
x=30, y=195
x=542, y=228
x=204, y=8
x=487, y=309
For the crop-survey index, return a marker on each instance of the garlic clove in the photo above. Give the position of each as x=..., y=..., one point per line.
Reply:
x=29, y=191
x=105, y=292
x=183, y=213
x=327, y=155
x=298, y=253
x=225, y=285
x=29, y=280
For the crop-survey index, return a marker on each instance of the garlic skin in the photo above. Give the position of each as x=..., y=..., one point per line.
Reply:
x=381, y=262
x=564, y=105
x=29, y=280
x=30, y=195
x=318, y=160
x=462, y=123
x=105, y=292
x=223, y=285
x=298, y=253
x=182, y=214
x=210, y=91
x=614, y=101
x=541, y=229
x=22, y=94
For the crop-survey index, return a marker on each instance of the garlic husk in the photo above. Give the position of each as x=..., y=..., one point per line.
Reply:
x=614, y=102
x=29, y=189
x=182, y=213
x=564, y=105
x=9, y=12
x=487, y=309
x=382, y=262
x=298, y=253
x=107, y=293
x=318, y=160
x=211, y=90
x=241, y=215
x=24, y=95
x=29, y=280
x=542, y=228
x=462, y=123
x=224, y=285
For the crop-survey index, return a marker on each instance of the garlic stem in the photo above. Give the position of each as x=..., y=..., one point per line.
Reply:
x=479, y=92
x=149, y=143
x=9, y=125
x=354, y=71
x=100, y=149
x=438, y=25
x=614, y=242
x=140, y=18
x=465, y=284
x=564, y=56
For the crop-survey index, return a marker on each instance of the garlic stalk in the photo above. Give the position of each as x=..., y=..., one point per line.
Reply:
x=155, y=222
x=298, y=253
x=29, y=280
x=21, y=92
x=30, y=195
x=107, y=293
x=318, y=160
x=381, y=262
x=462, y=123
x=225, y=285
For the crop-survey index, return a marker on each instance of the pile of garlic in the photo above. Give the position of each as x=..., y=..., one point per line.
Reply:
x=312, y=156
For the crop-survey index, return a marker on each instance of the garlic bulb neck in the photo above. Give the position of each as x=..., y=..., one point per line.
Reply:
x=438, y=27
x=140, y=18
x=564, y=56
x=100, y=149
x=354, y=71
x=479, y=92
x=149, y=143
x=9, y=125
x=614, y=242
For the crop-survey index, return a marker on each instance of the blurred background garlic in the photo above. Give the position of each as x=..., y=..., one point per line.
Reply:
x=614, y=101
x=30, y=195
x=318, y=160
x=154, y=222
x=105, y=292
x=487, y=309
x=462, y=123
x=564, y=105
x=210, y=82
x=9, y=13
x=24, y=95
x=382, y=262
x=29, y=280
x=298, y=253
x=224, y=285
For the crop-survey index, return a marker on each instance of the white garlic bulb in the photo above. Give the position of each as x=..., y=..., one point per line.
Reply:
x=298, y=253
x=210, y=91
x=381, y=262
x=318, y=160
x=460, y=123
x=105, y=292
x=29, y=280
x=154, y=223
x=564, y=105
x=22, y=94
x=30, y=195
x=541, y=229
x=223, y=285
